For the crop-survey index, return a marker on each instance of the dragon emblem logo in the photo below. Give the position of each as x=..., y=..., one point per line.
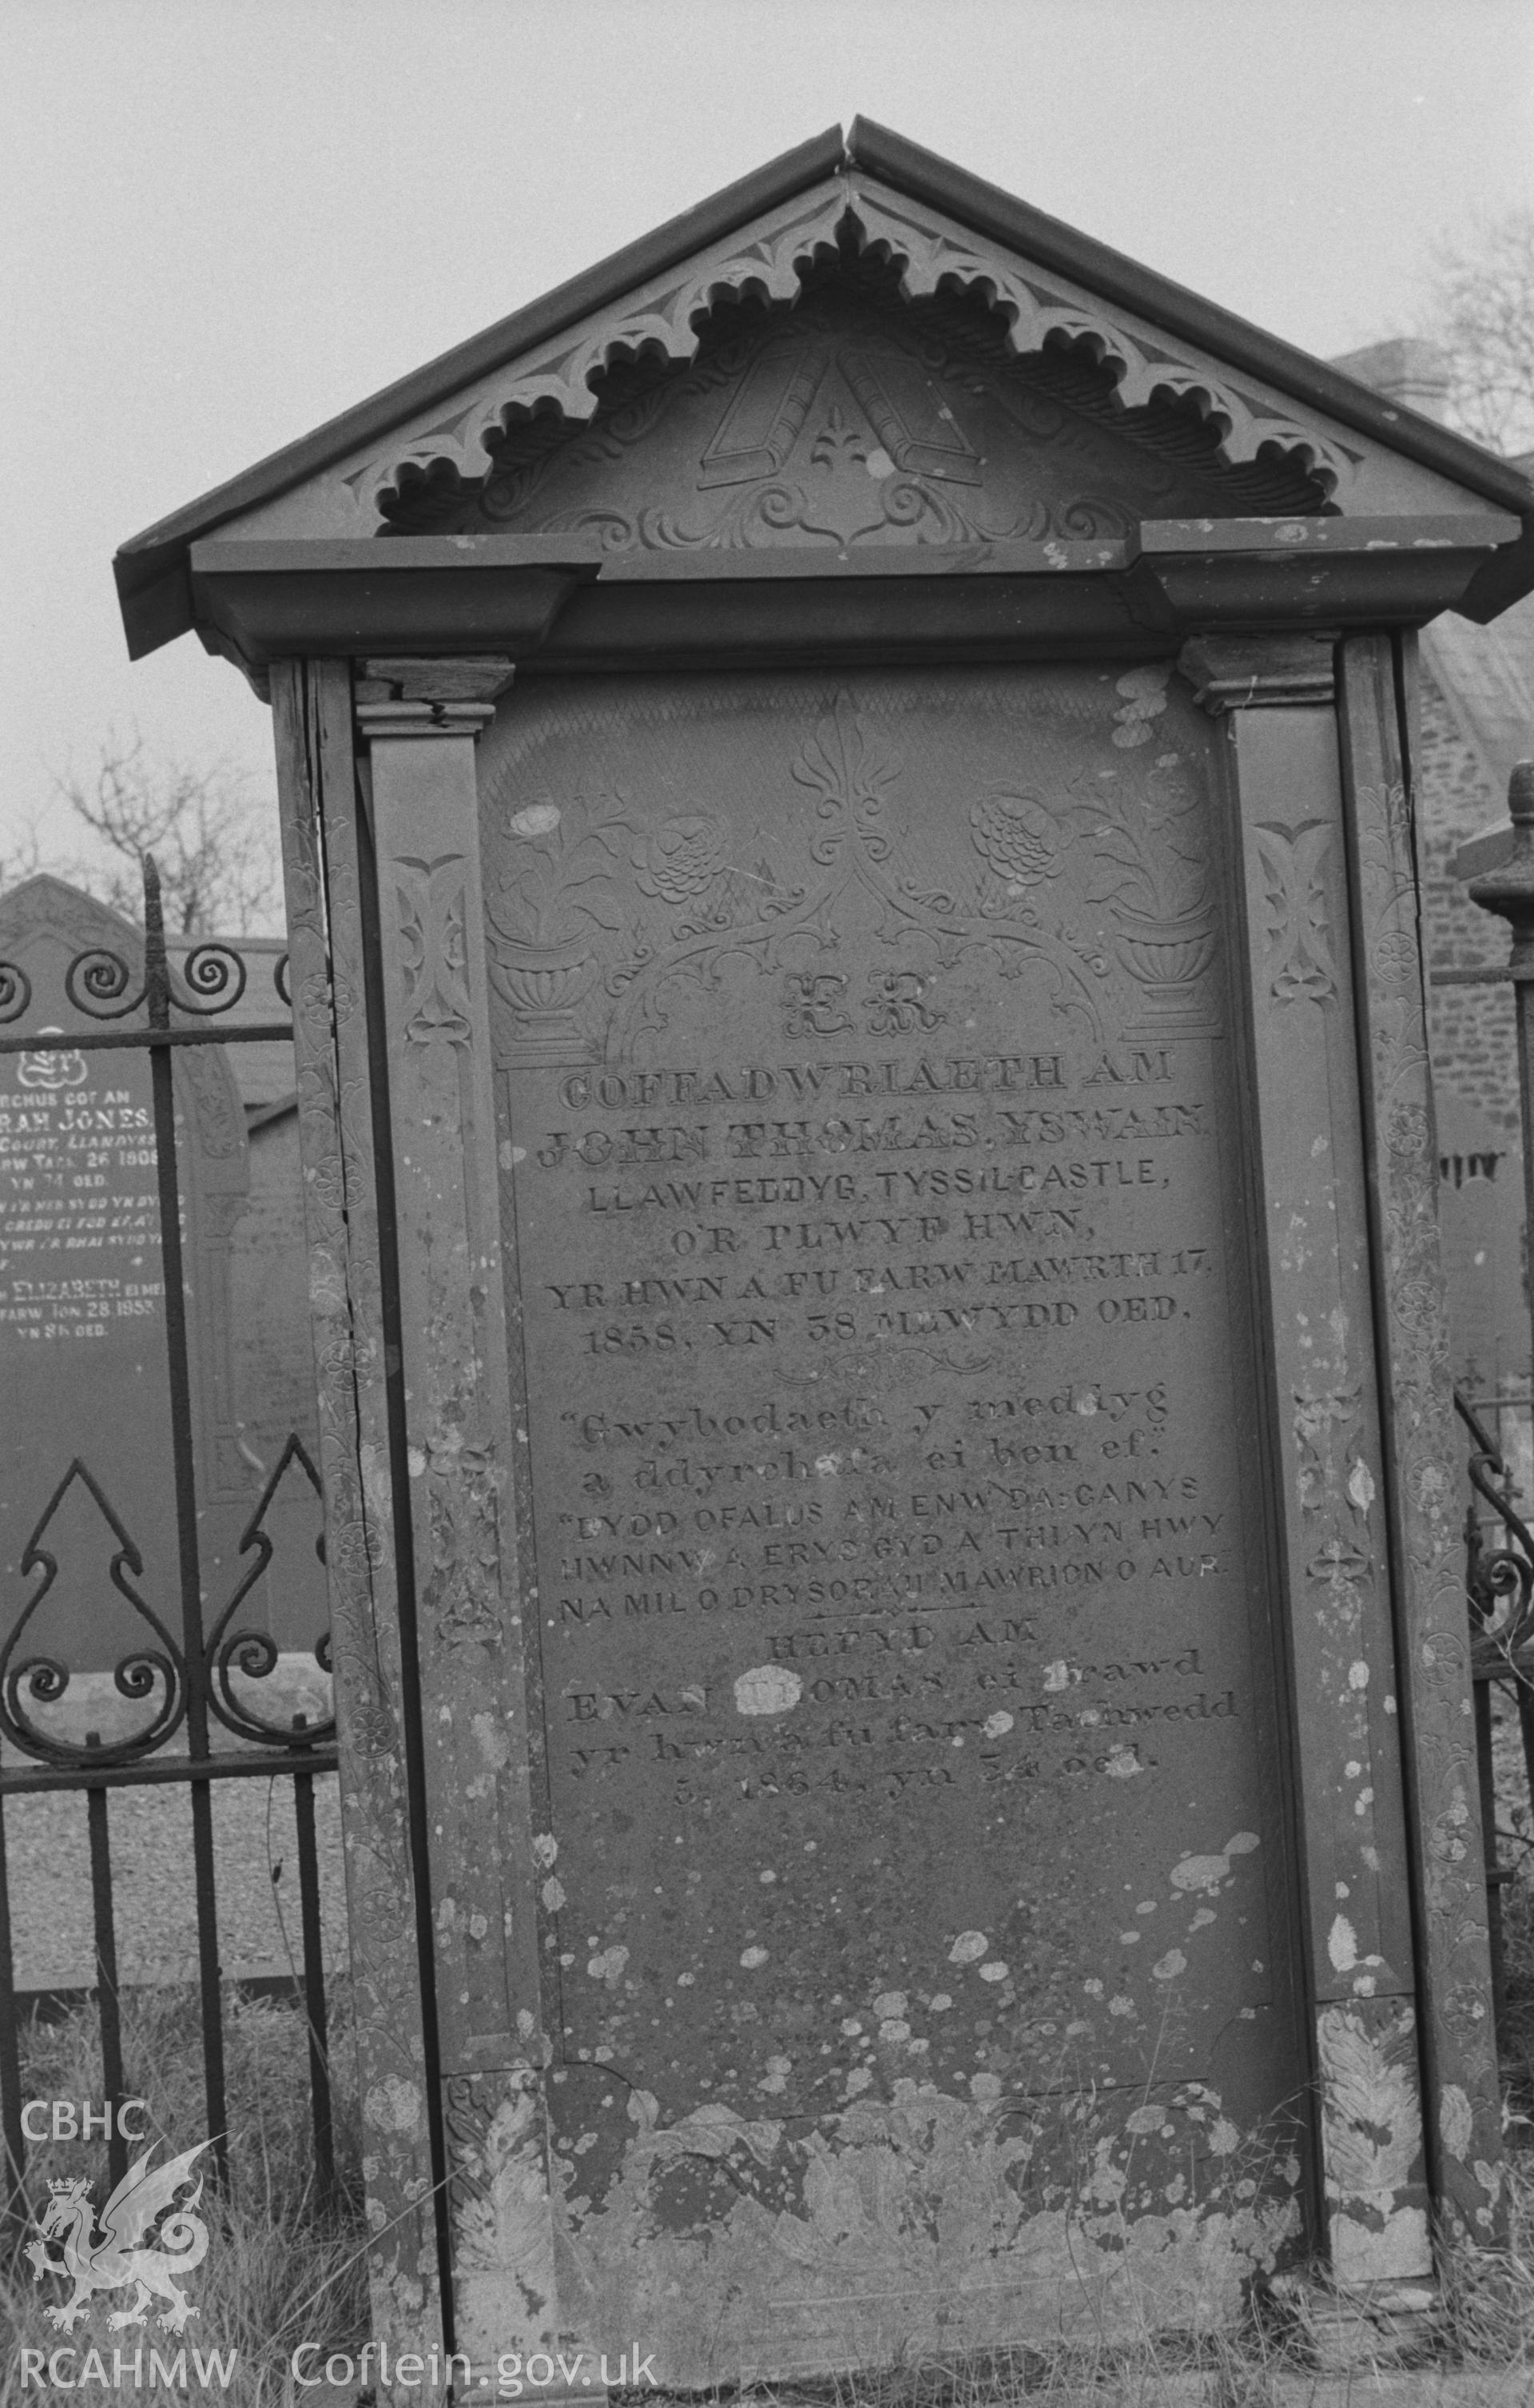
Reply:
x=117, y=2257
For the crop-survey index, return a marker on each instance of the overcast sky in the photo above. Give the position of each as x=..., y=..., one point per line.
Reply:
x=226, y=219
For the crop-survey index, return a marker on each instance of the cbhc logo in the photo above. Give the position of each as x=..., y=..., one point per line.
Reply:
x=62, y=2124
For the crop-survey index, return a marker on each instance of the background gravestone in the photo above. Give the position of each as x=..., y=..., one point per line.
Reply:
x=256, y=1282
x=83, y=1338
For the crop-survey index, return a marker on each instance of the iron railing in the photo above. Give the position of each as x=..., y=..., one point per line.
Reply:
x=1499, y=1551
x=180, y=1672
x=1500, y=1584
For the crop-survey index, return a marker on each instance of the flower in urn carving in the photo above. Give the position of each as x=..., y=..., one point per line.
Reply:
x=1166, y=956
x=556, y=867
x=554, y=888
x=679, y=860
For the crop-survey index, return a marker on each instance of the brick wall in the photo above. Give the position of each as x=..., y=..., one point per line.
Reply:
x=1473, y=1042
x=1471, y=1028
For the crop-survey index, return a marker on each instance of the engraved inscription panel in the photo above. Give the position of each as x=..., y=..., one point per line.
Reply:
x=893, y=1534
x=79, y=1230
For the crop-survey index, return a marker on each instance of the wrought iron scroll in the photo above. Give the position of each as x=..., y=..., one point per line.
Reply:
x=213, y=979
x=253, y=1653
x=210, y=978
x=1500, y=1579
x=46, y=1679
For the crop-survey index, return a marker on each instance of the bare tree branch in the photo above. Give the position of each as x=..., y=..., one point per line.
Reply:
x=22, y=860
x=1483, y=318
x=213, y=834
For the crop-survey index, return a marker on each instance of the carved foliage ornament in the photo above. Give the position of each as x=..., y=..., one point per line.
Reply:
x=578, y=874
x=431, y=896
x=1300, y=964
x=664, y=316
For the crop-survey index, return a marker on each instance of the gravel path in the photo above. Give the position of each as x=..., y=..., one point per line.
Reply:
x=260, y=1931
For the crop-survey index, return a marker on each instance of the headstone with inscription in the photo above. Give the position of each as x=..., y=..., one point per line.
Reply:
x=904, y=1614
x=83, y=1373
x=885, y=1370
x=869, y=1183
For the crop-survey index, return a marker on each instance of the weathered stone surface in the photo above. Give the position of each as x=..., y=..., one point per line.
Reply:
x=312, y=708
x=873, y=1203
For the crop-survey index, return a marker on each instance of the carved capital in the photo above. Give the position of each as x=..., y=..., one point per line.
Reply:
x=1258, y=672
x=430, y=697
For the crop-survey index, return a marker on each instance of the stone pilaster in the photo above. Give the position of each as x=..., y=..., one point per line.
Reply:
x=1424, y=1450
x=311, y=702
x=1325, y=1441
x=419, y=719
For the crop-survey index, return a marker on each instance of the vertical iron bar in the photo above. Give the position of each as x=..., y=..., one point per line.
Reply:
x=1485, y=1767
x=157, y=986
x=313, y=1988
x=1520, y=797
x=1523, y=996
x=107, y=2002
x=13, y=2198
x=1486, y=1770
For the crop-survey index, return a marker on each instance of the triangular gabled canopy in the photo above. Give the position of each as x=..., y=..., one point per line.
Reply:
x=1224, y=420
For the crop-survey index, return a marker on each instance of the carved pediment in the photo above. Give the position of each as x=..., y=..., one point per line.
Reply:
x=1071, y=388
x=853, y=418
x=775, y=266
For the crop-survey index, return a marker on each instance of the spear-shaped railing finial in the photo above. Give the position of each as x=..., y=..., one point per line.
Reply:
x=156, y=963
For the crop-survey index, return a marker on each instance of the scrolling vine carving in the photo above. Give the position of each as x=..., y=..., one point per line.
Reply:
x=683, y=903
x=715, y=907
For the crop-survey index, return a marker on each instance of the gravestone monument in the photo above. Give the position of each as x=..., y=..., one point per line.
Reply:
x=83, y=1336
x=890, y=1484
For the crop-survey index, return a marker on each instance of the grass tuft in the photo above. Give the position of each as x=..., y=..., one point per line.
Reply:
x=282, y=2266
x=285, y=2267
